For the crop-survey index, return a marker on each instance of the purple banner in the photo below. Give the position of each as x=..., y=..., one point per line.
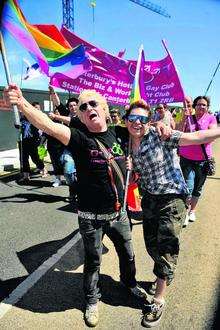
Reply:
x=113, y=77
x=161, y=81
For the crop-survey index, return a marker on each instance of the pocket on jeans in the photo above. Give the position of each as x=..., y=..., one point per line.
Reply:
x=85, y=225
x=123, y=218
x=178, y=211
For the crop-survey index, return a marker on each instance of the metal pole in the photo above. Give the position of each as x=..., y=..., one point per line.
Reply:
x=9, y=81
x=212, y=78
x=17, y=122
x=50, y=105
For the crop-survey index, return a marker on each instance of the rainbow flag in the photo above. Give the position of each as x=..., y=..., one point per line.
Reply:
x=50, y=41
x=71, y=66
x=46, y=44
x=14, y=22
x=138, y=88
x=62, y=58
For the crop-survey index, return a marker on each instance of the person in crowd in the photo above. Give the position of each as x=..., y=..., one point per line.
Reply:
x=69, y=169
x=162, y=113
x=192, y=158
x=115, y=116
x=164, y=195
x=28, y=147
x=177, y=115
x=217, y=115
x=100, y=189
x=187, y=111
x=55, y=149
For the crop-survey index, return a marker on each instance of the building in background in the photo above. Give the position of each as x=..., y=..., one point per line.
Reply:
x=8, y=133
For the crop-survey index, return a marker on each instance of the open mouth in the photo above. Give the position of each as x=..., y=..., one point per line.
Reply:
x=137, y=127
x=93, y=115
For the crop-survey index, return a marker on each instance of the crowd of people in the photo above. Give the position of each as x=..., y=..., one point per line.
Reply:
x=100, y=145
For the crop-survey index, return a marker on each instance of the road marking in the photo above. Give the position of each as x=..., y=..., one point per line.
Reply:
x=31, y=280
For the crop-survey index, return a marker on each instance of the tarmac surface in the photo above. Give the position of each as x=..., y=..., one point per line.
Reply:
x=41, y=260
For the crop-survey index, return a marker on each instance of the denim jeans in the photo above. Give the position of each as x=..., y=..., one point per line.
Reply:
x=119, y=232
x=69, y=169
x=193, y=175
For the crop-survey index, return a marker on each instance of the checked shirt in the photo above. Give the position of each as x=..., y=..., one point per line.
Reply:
x=157, y=163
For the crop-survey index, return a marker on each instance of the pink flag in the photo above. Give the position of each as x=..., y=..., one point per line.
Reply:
x=162, y=84
x=113, y=77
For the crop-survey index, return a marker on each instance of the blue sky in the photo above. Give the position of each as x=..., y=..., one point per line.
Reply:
x=192, y=36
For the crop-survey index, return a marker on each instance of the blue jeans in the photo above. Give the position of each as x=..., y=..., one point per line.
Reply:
x=69, y=169
x=193, y=175
x=119, y=232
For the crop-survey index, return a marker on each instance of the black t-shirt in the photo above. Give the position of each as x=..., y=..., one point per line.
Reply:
x=53, y=144
x=63, y=111
x=95, y=191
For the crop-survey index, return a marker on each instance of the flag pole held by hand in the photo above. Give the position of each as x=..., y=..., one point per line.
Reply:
x=8, y=78
x=127, y=179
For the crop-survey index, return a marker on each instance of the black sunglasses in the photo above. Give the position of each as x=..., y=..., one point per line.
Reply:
x=142, y=119
x=84, y=106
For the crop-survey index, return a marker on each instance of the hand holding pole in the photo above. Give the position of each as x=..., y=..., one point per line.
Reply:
x=127, y=179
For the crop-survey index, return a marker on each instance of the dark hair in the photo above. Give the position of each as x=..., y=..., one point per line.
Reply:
x=200, y=98
x=35, y=103
x=114, y=110
x=72, y=99
x=163, y=104
x=137, y=104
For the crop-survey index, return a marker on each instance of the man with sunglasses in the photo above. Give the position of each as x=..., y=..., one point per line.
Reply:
x=164, y=196
x=99, y=190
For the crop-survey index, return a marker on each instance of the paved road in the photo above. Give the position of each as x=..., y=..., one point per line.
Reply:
x=36, y=223
x=35, y=220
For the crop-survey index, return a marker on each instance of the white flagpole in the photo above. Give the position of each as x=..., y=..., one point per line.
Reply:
x=129, y=145
x=9, y=81
x=127, y=180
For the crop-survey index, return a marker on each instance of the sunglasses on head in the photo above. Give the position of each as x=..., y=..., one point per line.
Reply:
x=142, y=119
x=84, y=106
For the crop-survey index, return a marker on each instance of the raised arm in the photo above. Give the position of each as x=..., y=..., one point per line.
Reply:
x=13, y=95
x=54, y=97
x=62, y=119
x=199, y=137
